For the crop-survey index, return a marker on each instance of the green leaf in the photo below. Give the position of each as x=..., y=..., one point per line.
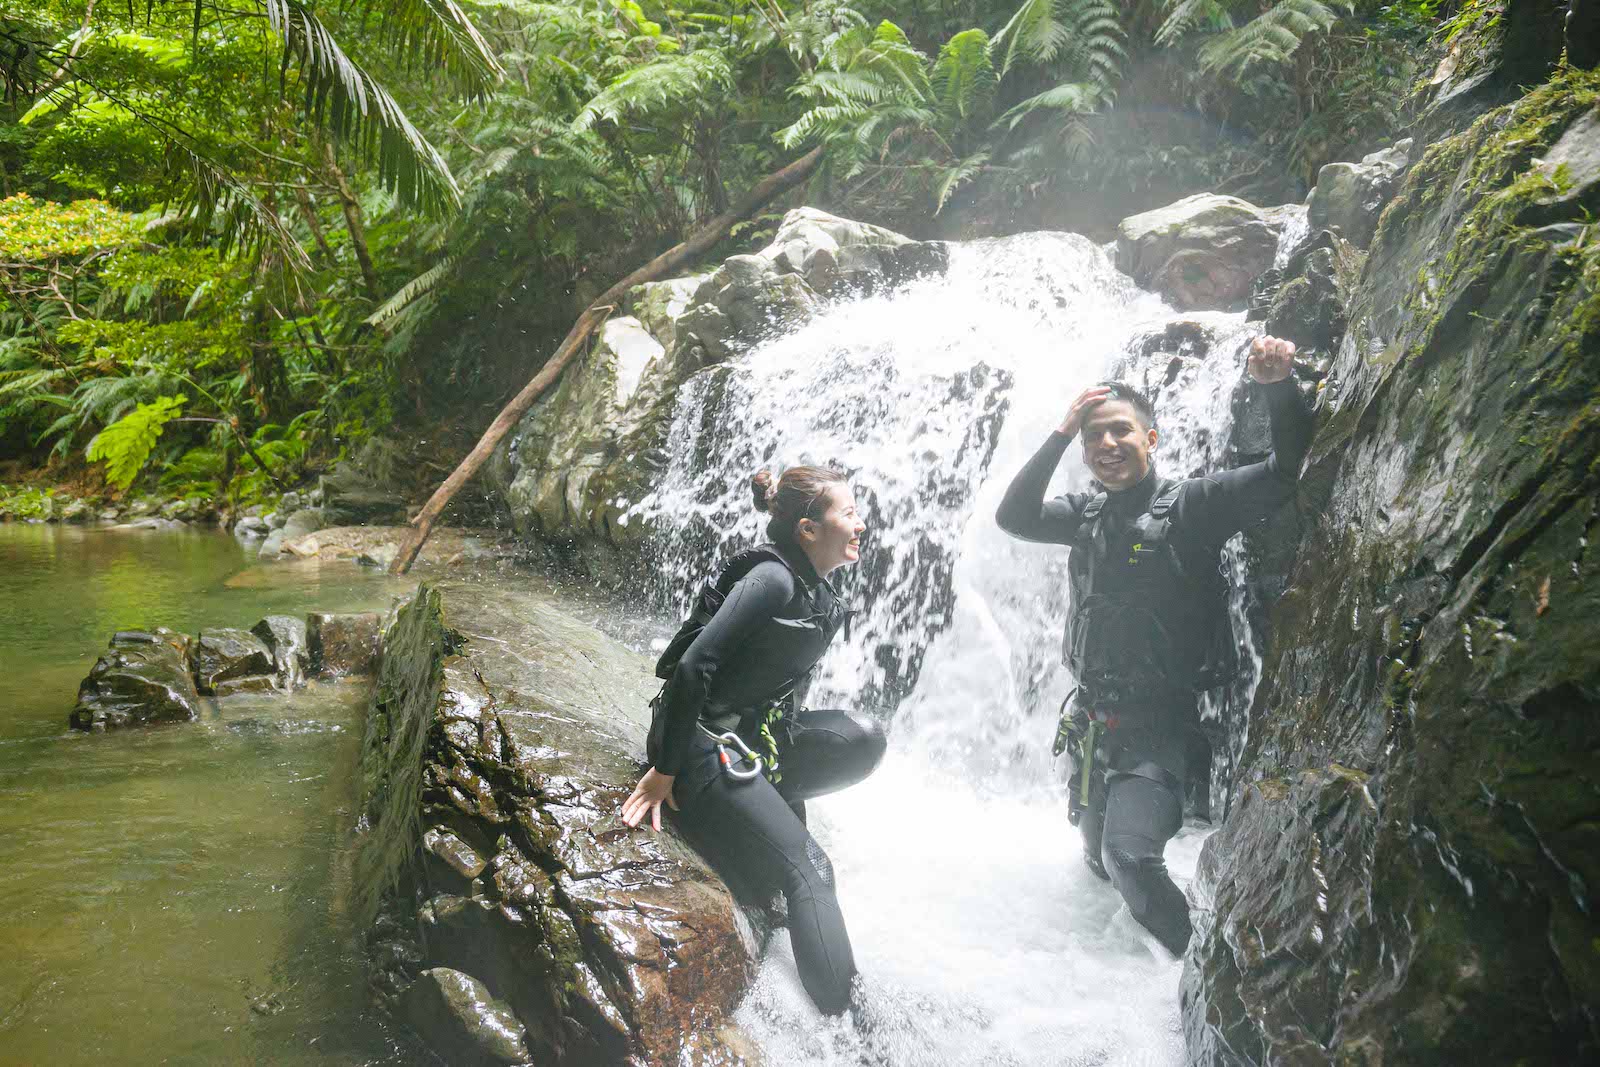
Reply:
x=126, y=444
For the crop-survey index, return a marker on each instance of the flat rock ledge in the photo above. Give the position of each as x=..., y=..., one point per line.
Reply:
x=509, y=916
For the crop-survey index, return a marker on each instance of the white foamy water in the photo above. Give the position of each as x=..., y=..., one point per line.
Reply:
x=981, y=936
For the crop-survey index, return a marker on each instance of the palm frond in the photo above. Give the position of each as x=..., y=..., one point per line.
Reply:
x=408, y=294
x=355, y=107
x=438, y=35
x=1073, y=98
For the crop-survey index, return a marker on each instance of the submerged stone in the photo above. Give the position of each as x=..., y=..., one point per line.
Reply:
x=455, y=1011
x=144, y=677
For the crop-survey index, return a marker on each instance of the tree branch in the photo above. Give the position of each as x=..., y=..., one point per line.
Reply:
x=700, y=241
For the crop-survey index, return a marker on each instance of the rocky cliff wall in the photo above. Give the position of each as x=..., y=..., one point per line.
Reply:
x=1408, y=875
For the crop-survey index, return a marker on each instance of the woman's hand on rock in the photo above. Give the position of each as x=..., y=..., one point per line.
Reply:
x=1080, y=408
x=1271, y=359
x=647, y=796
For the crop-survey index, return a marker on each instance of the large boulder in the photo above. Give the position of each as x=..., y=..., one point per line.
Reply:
x=353, y=497
x=503, y=738
x=593, y=445
x=1349, y=197
x=343, y=645
x=142, y=678
x=1408, y=875
x=302, y=522
x=228, y=660
x=1202, y=252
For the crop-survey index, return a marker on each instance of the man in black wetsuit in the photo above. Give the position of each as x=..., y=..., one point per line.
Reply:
x=1148, y=622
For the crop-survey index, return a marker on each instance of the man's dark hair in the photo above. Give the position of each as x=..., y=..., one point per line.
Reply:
x=1141, y=403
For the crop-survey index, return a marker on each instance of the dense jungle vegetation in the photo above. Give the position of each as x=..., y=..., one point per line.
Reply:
x=240, y=238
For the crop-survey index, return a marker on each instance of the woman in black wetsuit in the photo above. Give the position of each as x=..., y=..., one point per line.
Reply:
x=767, y=619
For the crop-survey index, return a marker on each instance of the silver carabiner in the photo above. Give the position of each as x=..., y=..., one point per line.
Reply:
x=729, y=764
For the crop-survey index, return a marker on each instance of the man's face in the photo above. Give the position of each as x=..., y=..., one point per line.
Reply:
x=1116, y=444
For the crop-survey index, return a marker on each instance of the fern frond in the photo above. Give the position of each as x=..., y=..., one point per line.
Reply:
x=659, y=85
x=1074, y=98
x=126, y=444
x=964, y=80
x=958, y=176
x=1186, y=16
x=1269, y=39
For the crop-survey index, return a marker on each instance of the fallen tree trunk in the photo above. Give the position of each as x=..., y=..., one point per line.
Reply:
x=700, y=241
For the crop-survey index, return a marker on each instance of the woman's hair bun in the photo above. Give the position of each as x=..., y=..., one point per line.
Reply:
x=761, y=487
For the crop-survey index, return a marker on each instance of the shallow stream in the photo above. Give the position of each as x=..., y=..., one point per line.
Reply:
x=176, y=893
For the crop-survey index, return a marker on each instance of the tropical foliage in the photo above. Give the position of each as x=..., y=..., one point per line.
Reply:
x=314, y=221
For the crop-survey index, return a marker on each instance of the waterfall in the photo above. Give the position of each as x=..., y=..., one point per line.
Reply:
x=980, y=934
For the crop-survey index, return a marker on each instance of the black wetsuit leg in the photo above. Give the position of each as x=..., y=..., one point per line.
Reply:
x=826, y=750
x=752, y=836
x=1141, y=816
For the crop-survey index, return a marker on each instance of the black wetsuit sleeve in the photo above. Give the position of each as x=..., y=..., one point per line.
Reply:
x=1025, y=513
x=1211, y=509
x=753, y=600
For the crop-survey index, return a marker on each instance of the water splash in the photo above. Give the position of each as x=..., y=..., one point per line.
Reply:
x=981, y=936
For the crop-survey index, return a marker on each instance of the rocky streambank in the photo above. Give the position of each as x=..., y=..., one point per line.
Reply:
x=510, y=916
x=1408, y=873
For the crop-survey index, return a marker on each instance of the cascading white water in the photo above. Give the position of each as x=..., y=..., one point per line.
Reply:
x=981, y=936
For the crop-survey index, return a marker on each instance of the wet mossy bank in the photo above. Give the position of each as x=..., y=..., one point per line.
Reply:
x=1408, y=874
x=510, y=917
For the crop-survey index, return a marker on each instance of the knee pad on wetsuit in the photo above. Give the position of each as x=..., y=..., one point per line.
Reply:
x=819, y=860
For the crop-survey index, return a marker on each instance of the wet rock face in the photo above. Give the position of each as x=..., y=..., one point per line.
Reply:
x=1349, y=197
x=285, y=639
x=232, y=661
x=343, y=645
x=143, y=678
x=593, y=444
x=1202, y=252
x=497, y=755
x=1409, y=873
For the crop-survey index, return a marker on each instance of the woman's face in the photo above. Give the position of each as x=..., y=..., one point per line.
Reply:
x=835, y=539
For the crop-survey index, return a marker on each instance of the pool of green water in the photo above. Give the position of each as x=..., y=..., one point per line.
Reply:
x=177, y=893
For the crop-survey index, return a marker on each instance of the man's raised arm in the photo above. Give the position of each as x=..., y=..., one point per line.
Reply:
x=1217, y=506
x=1024, y=512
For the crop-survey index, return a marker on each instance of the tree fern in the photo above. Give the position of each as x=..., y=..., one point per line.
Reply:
x=660, y=85
x=1269, y=39
x=1086, y=34
x=964, y=79
x=126, y=444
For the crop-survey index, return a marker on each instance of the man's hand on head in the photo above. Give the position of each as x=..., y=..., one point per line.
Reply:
x=1271, y=359
x=1080, y=408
